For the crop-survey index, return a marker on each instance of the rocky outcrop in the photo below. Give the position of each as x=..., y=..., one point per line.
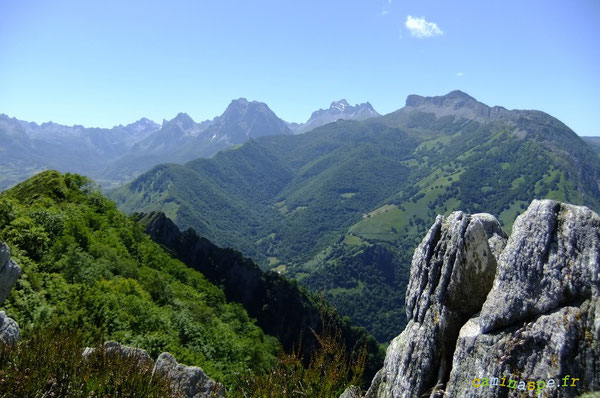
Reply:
x=9, y=273
x=541, y=320
x=534, y=329
x=186, y=381
x=452, y=271
x=190, y=381
x=114, y=348
x=9, y=330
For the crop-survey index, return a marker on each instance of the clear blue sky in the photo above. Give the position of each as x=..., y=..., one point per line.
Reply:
x=102, y=63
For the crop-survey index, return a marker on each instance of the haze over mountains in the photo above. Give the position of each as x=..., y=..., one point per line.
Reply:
x=342, y=207
x=117, y=155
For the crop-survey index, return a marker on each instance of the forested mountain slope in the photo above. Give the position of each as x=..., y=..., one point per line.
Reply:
x=341, y=208
x=281, y=307
x=90, y=271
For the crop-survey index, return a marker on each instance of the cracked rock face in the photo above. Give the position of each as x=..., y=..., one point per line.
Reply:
x=540, y=320
x=452, y=271
x=190, y=381
x=551, y=260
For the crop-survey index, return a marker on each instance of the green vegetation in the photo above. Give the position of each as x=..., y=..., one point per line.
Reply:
x=328, y=203
x=327, y=375
x=281, y=307
x=86, y=267
x=48, y=363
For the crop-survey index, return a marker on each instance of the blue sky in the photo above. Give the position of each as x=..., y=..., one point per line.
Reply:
x=103, y=63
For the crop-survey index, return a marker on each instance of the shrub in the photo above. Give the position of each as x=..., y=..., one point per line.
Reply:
x=328, y=373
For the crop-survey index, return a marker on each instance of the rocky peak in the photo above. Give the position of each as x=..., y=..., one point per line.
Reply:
x=458, y=104
x=340, y=105
x=236, y=106
x=535, y=318
x=183, y=121
x=243, y=119
x=337, y=110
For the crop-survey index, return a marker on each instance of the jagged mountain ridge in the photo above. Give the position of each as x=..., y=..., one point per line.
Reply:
x=342, y=207
x=337, y=110
x=27, y=147
x=113, y=156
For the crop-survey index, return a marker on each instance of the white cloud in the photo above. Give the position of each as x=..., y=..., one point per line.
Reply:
x=385, y=12
x=419, y=27
x=459, y=74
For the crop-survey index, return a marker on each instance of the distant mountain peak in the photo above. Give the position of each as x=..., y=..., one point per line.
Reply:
x=340, y=109
x=456, y=103
x=182, y=120
x=340, y=105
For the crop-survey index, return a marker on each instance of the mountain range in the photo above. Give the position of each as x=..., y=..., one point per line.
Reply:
x=337, y=110
x=117, y=155
x=341, y=208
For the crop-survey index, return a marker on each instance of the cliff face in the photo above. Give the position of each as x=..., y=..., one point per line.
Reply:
x=522, y=314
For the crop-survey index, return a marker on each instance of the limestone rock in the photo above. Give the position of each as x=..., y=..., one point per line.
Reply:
x=9, y=330
x=541, y=319
x=539, y=324
x=114, y=348
x=351, y=392
x=551, y=260
x=191, y=381
x=451, y=273
x=88, y=352
x=9, y=272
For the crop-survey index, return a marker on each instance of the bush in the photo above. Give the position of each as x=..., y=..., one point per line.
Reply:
x=329, y=372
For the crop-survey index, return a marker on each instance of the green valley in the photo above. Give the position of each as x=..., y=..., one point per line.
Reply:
x=342, y=208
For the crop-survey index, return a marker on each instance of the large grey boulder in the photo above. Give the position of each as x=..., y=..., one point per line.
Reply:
x=9, y=272
x=541, y=320
x=190, y=381
x=537, y=323
x=451, y=274
x=9, y=330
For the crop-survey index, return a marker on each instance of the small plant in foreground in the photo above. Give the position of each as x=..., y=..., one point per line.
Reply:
x=328, y=373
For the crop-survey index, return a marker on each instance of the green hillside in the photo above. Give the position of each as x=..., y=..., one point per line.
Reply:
x=90, y=270
x=342, y=208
